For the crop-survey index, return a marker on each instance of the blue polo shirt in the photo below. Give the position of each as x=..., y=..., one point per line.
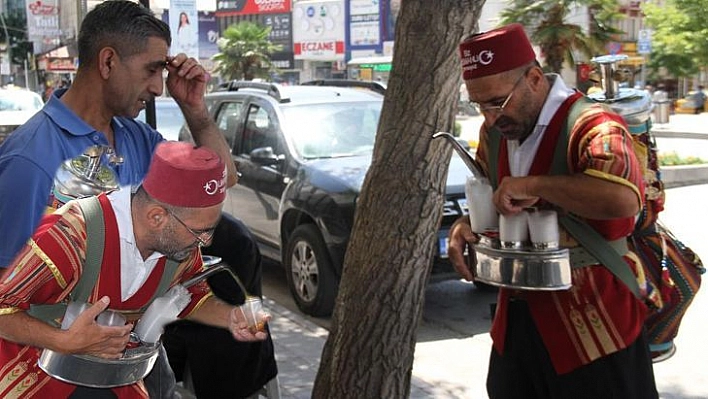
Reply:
x=31, y=155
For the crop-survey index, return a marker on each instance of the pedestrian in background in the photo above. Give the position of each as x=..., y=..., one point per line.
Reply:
x=596, y=81
x=556, y=344
x=699, y=98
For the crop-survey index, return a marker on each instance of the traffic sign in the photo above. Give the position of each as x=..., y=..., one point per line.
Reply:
x=613, y=47
x=644, y=41
x=643, y=47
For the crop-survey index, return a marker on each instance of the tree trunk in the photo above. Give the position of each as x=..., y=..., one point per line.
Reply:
x=369, y=351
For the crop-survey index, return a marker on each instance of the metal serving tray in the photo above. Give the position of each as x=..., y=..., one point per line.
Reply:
x=97, y=372
x=523, y=269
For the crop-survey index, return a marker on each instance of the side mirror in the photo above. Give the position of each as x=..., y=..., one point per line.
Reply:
x=265, y=156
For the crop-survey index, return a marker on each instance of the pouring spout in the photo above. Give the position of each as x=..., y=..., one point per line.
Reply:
x=212, y=266
x=467, y=158
x=203, y=275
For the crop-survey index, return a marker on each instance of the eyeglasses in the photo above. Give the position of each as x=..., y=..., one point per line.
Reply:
x=490, y=109
x=202, y=236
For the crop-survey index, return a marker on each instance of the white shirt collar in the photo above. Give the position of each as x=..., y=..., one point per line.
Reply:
x=521, y=156
x=556, y=96
x=134, y=271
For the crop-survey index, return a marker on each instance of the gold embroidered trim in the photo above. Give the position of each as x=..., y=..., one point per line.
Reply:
x=586, y=340
x=7, y=311
x=50, y=264
x=199, y=304
x=600, y=330
x=614, y=179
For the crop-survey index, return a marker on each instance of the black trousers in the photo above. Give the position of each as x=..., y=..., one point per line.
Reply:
x=221, y=367
x=525, y=370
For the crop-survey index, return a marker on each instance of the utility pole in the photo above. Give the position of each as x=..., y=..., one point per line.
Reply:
x=150, y=117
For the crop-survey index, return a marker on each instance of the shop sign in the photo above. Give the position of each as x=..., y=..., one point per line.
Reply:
x=318, y=30
x=42, y=19
x=319, y=49
x=61, y=64
x=248, y=7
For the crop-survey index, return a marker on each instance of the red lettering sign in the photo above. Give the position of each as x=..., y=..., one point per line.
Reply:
x=250, y=7
x=38, y=8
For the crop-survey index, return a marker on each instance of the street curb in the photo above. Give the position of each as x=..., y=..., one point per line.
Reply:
x=684, y=175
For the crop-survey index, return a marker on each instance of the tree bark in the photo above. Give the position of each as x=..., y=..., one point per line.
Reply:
x=369, y=351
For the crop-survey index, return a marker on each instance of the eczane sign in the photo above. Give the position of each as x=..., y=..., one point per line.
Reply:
x=318, y=30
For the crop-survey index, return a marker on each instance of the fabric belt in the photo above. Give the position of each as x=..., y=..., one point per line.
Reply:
x=579, y=257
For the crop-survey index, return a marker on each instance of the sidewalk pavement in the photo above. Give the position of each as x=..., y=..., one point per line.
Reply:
x=298, y=347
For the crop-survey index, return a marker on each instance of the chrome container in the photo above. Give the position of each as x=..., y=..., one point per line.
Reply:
x=522, y=269
x=85, y=175
x=634, y=105
x=96, y=372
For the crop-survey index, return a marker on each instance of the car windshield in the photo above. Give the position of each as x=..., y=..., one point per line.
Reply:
x=19, y=100
x=333, y=130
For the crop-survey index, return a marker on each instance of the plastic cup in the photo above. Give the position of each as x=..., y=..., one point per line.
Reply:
x=543, y=229
x=110, y=318
x=483, y=215
x=513, y=229
x=253, y=312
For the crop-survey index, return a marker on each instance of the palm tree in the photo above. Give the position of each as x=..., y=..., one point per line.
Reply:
x=245, y=52
x=548, y=27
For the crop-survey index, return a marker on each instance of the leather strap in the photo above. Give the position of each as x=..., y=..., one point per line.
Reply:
x=580, y=257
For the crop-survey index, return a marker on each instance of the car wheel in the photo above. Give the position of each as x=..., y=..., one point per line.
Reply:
x=309, y=271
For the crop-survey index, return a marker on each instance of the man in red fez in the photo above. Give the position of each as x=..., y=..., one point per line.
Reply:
x=586, y=341
x=151, y=240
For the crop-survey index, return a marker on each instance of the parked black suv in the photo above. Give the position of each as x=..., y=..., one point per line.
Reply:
x=303, y=152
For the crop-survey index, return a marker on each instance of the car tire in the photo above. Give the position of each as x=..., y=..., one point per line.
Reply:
x=308, y=266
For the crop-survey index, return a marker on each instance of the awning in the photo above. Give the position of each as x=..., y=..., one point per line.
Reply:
x=383, y=59
x=633, y=61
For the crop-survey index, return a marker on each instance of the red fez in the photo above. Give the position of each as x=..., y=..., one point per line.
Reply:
x=186, y=176
x=499, y=50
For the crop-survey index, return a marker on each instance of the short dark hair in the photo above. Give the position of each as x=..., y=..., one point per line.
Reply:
x=121, y=24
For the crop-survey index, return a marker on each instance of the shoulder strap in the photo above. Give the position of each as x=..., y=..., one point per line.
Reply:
x=600, y=249
x=164, y=285
x=559, y=164
x=588, y=238
x=95, y=239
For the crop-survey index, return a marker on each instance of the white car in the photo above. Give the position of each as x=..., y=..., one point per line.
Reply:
x=17, y=105
x=169, y=117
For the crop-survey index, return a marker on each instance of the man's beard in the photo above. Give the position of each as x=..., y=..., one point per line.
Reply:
x=168, y=247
